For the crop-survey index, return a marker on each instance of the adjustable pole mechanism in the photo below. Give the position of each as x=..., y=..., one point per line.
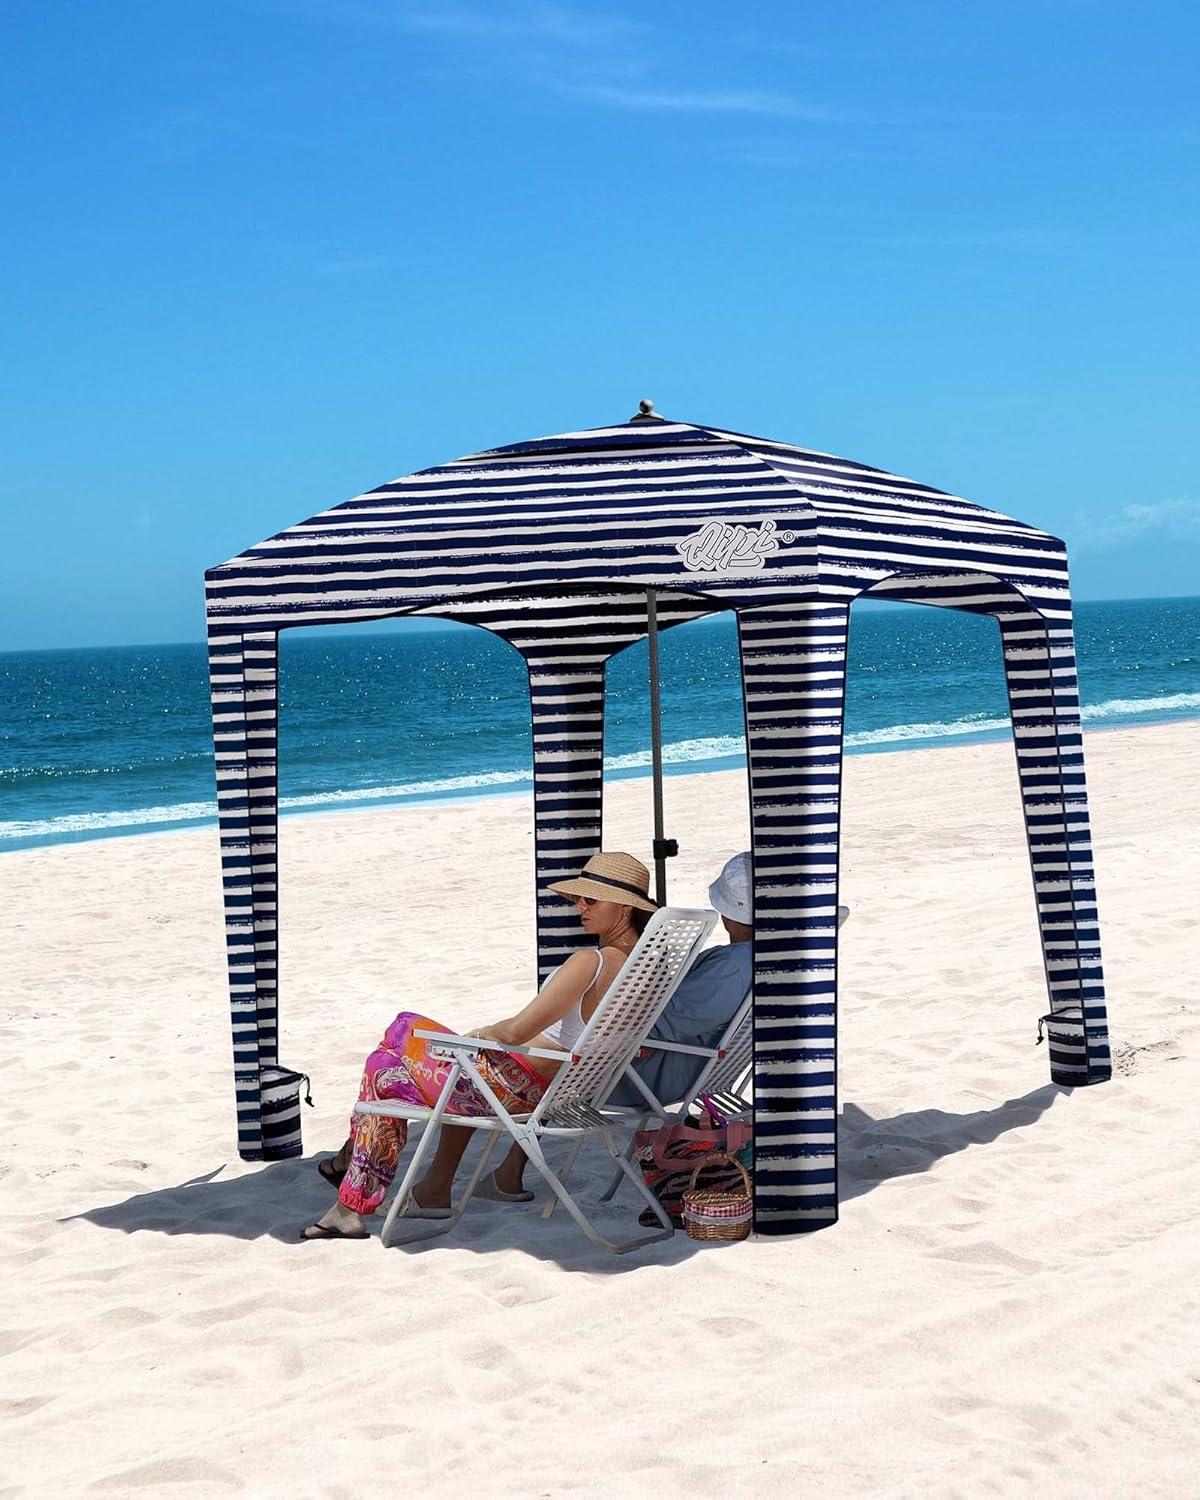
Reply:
x=663, y=847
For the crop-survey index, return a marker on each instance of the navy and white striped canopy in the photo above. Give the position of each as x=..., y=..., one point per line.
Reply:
x=612, y=507
x=554, y=544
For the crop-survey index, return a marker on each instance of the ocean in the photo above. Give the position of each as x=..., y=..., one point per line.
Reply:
x=109, y=741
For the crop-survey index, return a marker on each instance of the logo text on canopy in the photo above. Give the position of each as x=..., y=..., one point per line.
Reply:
x=727, y=547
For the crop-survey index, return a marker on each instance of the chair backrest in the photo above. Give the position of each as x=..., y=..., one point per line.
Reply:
x=633, y=1002
x=737, y=1044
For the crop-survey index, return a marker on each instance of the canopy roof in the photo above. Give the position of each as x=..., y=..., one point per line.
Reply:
x=646, y=504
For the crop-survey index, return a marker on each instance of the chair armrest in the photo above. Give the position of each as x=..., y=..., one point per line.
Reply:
x=479, y=1044
x=660, y=1046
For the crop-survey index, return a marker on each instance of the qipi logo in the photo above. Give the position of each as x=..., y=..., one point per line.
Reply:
x=726, y=547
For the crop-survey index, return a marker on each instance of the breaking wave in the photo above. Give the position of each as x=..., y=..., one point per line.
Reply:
x=695, y=752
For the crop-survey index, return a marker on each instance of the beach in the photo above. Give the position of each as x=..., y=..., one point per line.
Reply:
x=1006, y=1307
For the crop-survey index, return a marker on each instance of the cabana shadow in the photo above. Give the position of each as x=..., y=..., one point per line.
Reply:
x=277, y=1201
x=874, y=1151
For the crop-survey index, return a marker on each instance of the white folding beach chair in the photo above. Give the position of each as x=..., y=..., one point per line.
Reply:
x=725, y=1076
x=571, y=1106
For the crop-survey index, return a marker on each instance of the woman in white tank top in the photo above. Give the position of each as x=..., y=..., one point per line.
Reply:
x=611, y=898
x=565, y=1032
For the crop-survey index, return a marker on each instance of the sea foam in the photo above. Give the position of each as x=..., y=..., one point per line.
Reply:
x=693, y=752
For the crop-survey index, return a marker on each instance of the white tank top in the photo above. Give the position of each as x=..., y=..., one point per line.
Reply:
x=566, y=1031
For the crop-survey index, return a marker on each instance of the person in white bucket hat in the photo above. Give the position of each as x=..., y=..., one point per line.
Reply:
x=708, y=997
x=732, y=893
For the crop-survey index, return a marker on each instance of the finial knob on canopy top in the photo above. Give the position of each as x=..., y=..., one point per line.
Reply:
x=646, y=413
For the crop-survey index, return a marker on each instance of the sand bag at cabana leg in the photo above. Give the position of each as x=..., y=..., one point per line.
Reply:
x=280, y=1094
x=1064, y=1030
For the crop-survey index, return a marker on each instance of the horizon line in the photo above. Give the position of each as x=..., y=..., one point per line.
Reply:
x=437, y=623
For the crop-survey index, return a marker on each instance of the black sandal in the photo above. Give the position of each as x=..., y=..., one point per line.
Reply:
x=328, y=1232
x=332, y=1175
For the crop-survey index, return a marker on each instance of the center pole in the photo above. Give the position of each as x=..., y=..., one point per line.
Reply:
x=662, y=846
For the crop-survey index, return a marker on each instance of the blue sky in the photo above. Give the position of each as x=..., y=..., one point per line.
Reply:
x=263, y=254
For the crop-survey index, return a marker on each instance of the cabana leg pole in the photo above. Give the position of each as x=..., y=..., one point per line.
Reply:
x=793, y=675
x=567, y=711
x=663, y=847
x=243, y=674
x=1039, y=665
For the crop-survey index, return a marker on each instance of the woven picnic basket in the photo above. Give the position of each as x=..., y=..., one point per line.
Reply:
x=718, y=1213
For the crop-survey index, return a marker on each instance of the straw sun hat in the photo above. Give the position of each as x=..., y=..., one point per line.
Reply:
x=611, y=877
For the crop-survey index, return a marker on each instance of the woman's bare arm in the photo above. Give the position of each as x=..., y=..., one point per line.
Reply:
x=555, y=998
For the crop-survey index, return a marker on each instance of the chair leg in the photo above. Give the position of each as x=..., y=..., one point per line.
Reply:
x=627, y=1169
x=610, y=1191
x=552, y=1204
x=476, y=1176
x=533, y=1150
x=434, y=1228
x=404, y=1191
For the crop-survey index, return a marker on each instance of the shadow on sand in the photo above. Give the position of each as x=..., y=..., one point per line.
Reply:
x=280, y=1198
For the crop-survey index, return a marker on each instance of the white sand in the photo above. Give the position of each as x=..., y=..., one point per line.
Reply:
x=1007, y=1307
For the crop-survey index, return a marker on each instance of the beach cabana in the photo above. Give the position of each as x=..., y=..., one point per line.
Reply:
x=569, y=547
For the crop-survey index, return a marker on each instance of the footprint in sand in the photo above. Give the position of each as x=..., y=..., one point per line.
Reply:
x=1022, y=1421
x=488, y=1356
x=97, y=1273
x=22, y=1406
x=988, y=1254
x=206, y=1317
x=518, y=1297
x=1129, y=1059
x=128, y=1317
x=158, y=1474
x=728, y=1327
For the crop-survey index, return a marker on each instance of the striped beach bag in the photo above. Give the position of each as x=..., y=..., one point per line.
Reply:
x=667, y=1156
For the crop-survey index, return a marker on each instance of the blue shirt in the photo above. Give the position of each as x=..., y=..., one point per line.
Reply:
x=698, y=1014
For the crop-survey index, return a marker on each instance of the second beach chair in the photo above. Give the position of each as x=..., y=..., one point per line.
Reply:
x=724, y=1075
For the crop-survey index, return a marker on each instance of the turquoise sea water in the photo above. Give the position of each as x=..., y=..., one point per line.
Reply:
x=109, y=741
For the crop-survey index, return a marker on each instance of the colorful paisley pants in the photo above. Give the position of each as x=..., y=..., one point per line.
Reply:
x=401, y=1068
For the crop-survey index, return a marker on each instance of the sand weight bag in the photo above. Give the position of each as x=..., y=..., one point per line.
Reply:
x=280, y=1095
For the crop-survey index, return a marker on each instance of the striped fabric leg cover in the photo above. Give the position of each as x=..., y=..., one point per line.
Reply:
x=1039, y=663
x=568, y=777
x=243, y=674
x=793, y=669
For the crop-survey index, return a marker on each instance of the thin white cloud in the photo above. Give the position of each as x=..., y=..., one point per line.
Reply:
x=356, y=265
x=1004, y=237
x=610, y=61
x=545, y=23
x=707, y=101
x=1173, y=520
x=539, y=21
x=775, y=45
